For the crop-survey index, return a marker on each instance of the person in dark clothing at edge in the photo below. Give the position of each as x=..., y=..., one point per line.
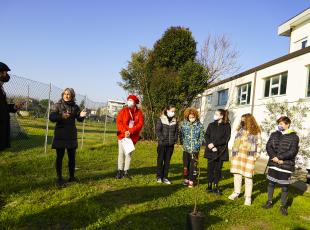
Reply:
x=5, y=109
x=64, y=113
x=216, y=139
x=282, y=148
x=167, y=133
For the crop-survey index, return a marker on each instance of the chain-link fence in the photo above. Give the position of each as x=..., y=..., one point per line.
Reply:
x=30, y=127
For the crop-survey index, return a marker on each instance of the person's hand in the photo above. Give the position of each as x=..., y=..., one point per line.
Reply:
x=214, y=149
x=19, y=105
x=280, y=162
x=211, y=145
x=65, y=115
x=127, y=134
x=275, y=159
x=83, y=113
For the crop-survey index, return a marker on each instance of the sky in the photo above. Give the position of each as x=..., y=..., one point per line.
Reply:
x=85, y=44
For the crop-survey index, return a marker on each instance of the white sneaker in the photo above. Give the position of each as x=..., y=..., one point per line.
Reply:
x=159, y=180
x=248, y=201
x=233, y=196
x=166, y=181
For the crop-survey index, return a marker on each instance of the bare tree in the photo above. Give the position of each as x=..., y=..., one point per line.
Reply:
x=219, y=57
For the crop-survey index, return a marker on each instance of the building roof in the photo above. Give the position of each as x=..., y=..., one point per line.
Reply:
x=263, y=66
x=285, y=28
x=115, y=101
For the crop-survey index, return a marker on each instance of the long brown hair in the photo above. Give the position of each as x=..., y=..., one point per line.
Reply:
x=250, y=124
x=225, y=114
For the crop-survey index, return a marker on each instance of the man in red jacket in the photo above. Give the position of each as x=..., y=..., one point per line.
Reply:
x=129, y=124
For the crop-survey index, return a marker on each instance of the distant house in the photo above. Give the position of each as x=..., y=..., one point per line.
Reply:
x=286, y=78
x=114, y=107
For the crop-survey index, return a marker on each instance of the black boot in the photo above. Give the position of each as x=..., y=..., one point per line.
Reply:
x=216, y=190
x=283, y=210
x=119, y=174
x=209, y=189
x=60, y=182
x=268, y=205
x=126, y=175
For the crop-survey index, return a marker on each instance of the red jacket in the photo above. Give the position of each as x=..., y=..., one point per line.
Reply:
x=122, y=122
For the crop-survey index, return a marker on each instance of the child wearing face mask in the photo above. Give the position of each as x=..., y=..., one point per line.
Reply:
x=167, y=134
x=217, y=137
x=282, y=148
x=191, y=138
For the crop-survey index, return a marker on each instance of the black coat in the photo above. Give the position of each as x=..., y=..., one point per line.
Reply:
x=285, y=147
x=5, y=110
x=65, y=134
x=219, y=135
x=167, y=131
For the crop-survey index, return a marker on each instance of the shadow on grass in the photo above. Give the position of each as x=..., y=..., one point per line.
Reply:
x=30, y=142
x=100, y=209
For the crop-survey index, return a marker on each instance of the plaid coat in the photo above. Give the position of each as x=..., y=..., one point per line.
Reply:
x=242, y=162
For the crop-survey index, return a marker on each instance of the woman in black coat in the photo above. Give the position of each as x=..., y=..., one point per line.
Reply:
x=64, y=113
x=217, y=137
x=282, y=148
x=5, y=109
x=167, y=134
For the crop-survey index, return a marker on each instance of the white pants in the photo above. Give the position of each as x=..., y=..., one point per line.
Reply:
x=123, y=159
x=238, y=184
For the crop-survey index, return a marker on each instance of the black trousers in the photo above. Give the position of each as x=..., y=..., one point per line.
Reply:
x=284, y=193
x=164, y=154
x=214, y=170
x=71, y=161
x=190, y=161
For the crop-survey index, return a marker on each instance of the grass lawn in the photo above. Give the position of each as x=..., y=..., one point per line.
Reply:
x=30, y=200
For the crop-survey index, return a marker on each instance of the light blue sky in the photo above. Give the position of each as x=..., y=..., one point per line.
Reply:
x=84, y=44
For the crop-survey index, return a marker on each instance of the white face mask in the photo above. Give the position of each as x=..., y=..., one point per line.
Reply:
x=216, y=117
x=170, y=114
x=192, y=120
x=130, y=104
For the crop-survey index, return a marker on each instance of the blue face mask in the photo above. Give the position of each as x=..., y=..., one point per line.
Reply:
x=280, y=128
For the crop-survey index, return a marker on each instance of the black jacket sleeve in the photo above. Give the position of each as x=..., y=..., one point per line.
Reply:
x=11, y=108
x=55, y=115
x=159, y=128
x=292, y=152
x=78, y=117
x=269, y=147
x=176, y=133
x=226, y=137
x=208, y=135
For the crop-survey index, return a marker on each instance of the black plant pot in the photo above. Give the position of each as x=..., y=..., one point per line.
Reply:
x=308, y=176
x=195, y=221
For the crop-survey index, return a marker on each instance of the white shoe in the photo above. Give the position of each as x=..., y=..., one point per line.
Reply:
x=159, y=180
x=248, y=201
x=233, y=196
x=166, y=181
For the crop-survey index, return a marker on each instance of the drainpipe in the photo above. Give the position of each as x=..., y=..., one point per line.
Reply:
x=254, y=91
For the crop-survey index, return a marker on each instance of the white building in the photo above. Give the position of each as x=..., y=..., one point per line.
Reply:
x=114, y=107
x=286, y=78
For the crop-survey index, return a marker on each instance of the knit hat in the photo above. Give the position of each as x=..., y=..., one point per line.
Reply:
x=4, y=67
x=134, y=98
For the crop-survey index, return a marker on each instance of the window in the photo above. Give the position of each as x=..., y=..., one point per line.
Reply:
x=209, y=100
x=222, y=97
x=244, y=94
x=276, y=85
x=304, y=44
x=308, y=91
x=197, y=103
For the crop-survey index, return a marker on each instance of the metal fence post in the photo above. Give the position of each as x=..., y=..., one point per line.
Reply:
x=105, y=126
x=47, y=118
x=83, y=129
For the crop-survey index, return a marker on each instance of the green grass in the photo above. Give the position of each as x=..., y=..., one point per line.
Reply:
x=30, y=200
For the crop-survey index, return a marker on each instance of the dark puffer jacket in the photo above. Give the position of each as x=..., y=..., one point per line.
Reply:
x=284, y=147
x=65, y=135
x=167, y=131
x=219, y=135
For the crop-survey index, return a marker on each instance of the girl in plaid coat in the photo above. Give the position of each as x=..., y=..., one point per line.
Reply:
x=246, y=150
